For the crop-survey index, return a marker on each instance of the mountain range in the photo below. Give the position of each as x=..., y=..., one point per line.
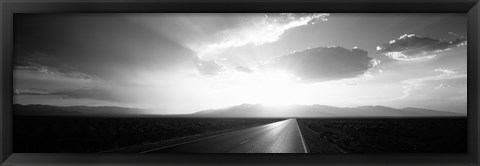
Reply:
x=239, y=111
x=303, y=111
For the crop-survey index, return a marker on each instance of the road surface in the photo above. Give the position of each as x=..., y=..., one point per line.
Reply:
x=279, y=137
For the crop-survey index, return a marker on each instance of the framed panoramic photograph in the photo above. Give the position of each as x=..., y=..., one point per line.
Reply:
x=248, y=83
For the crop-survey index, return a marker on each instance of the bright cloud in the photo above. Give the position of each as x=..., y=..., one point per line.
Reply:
x=416, y=83
x=258, y=31
x=210, y=67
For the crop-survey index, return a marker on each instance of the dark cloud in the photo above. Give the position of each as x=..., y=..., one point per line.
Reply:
x=244, y=69
x=413, y=47
x=78, y=75
x=209, y=67
x=95, y=94
x=38, y=89
x=34, y=67
x=326, y=63
x=92, y=93
x=107, y=46
x=30, y=91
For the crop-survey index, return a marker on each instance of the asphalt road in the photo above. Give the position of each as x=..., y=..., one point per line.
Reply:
x=279, y=137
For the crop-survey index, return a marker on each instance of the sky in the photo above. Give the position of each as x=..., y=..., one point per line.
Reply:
x=184, y=63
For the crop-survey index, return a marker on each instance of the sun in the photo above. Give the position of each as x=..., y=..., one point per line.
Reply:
x=268, y=88
x=272, y=88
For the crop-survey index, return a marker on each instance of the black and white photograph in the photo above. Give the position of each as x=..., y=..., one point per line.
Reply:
x=325, y=83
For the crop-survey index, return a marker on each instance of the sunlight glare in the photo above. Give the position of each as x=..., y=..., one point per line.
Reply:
x=271, y=88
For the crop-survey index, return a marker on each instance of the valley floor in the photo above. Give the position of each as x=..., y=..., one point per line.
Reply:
x=43, y=134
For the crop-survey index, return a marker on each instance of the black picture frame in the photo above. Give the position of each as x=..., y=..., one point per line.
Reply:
x=9, y=7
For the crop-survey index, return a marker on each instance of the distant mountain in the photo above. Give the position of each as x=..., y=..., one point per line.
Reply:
x=47, y=110
x=302, y=111
x=240, y=111
x=427, y=112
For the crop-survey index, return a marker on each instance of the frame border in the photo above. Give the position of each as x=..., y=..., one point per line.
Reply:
x=9, y=7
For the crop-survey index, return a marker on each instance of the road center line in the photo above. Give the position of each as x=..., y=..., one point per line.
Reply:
x=207, y=138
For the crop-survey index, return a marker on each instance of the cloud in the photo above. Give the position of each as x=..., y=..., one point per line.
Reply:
x=258, y=30
x=445, y=75
x=103, y=94
x=92, y=93
x=244, y=69
x=459, y=40
x=326, y=63
x=275, y=25
x=441, y=86
x=30, y=91
x=411, y=47
x=35, y=67
x=210, y=67
x=445, y=71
